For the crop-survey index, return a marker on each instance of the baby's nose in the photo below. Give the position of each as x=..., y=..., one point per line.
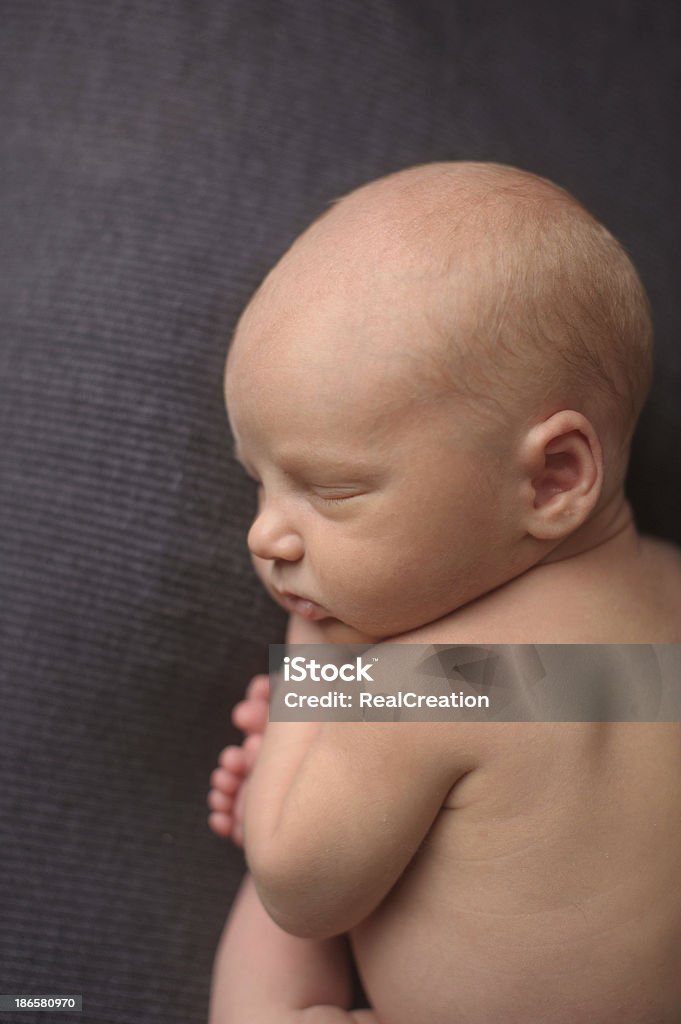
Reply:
x=272, y=537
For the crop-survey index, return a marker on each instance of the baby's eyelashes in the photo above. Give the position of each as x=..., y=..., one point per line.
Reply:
x=322, y=494
x=336, y=491
x=337, y=497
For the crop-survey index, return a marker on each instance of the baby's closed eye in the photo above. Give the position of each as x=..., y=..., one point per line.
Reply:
x=336, y=495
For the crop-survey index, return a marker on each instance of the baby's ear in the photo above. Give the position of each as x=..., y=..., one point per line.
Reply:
x=562, y=464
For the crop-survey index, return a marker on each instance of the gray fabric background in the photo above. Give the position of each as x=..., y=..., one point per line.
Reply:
x=157, y=157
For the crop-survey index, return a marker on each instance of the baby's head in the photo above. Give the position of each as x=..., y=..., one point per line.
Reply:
x=436, y=387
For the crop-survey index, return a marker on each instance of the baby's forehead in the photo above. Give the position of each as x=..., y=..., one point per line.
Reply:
x=337, y=347
x=366, y=306
x=357, y=366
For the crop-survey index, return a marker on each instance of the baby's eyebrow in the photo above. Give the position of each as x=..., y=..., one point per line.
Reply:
x=333, y=463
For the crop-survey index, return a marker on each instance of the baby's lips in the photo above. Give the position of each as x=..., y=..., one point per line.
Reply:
x=302, y=606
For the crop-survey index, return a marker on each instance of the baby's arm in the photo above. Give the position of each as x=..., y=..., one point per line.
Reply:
x=336, y=810
x=263, y=975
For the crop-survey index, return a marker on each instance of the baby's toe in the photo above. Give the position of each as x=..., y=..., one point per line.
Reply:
x=226, y=782
x=220, y=823
x=250, y=715
x=218, y=801
x=234, y=760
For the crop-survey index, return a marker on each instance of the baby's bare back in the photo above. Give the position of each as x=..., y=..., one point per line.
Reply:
x=547, y=890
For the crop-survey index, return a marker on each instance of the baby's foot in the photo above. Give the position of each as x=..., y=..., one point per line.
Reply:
x=228, y=781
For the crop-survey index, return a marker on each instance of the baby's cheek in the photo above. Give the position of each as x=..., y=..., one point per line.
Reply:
x=359, y=581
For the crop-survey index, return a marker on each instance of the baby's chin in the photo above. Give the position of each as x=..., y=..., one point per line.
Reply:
x=336, y=632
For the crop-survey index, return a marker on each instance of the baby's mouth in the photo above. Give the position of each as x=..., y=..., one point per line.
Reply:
x=301, y=606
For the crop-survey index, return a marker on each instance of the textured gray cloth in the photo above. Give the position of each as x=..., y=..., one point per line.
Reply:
x=156, y=159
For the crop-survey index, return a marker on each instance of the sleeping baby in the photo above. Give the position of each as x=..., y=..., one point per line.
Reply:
x=436, y=389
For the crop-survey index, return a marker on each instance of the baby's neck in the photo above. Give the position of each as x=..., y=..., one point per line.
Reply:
x=614, y=523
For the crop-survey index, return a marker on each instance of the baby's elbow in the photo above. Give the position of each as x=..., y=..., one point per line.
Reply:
x=297, y=912
x=298, y=921
x=294, y=899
